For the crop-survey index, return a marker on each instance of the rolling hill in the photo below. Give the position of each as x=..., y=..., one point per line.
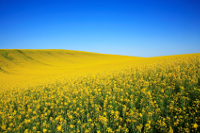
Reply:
x=21, y=68
x=74, y=91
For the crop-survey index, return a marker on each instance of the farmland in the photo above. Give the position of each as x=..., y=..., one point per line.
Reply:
x=73, y=91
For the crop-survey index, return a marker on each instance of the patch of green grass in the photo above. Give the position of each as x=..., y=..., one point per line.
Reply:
x=1, y=70
x=26, y=56
x=6, y=55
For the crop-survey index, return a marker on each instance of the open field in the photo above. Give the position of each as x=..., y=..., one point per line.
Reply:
x=32, y=67
x=73, y=91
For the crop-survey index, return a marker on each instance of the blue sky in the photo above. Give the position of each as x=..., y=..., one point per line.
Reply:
x=137, y=27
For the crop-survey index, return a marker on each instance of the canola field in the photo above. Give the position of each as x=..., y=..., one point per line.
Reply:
x=55, y=91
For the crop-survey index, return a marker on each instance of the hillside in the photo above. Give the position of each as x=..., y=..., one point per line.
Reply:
x=71, y=91
x=25, y=67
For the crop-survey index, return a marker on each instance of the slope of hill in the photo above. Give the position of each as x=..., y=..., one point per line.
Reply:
x=25, y=68
x=22, y=68
x=70, y=91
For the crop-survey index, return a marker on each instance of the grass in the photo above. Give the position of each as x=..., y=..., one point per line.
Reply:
x=5, y=55
x=107, y=93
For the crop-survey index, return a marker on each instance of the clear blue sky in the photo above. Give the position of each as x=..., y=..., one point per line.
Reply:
x=137, y=27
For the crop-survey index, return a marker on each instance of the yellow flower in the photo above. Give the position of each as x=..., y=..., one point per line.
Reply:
x=86, y=131
x=59, y=128
x=138, y=127
x=34, y=128
x=44, y=130
x=126, y=131
x=90, y=120
x=27, y=121
x=11, y=124
x=71, y=126
x=112, y=112
x=3, y=127
x=148, y=126
x=109, y=130
x=104, y=113
x=70, y=117
x=195, y=125
x=98, y=131
x=26, y=131
x=171, y=130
